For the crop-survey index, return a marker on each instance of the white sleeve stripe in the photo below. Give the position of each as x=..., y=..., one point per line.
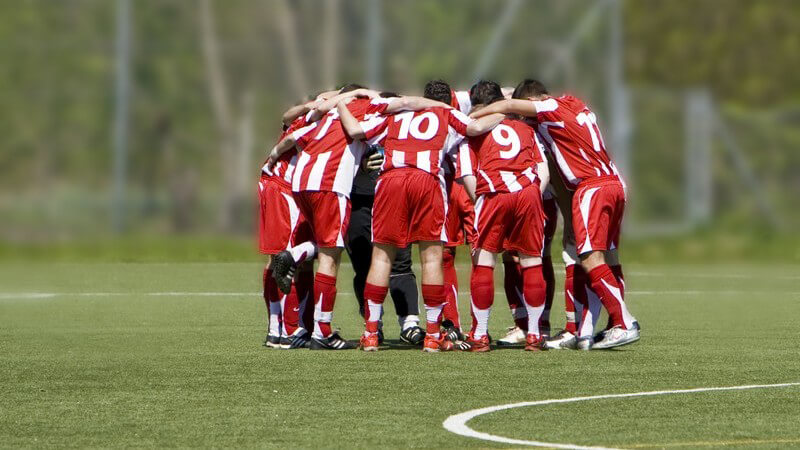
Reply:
x=463, y=118
x=464, y=160
x=545, y=105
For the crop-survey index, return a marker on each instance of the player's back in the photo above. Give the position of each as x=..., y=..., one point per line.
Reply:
x=504, y=159
x=329, y=158
x=420, y=139
x=569, y=129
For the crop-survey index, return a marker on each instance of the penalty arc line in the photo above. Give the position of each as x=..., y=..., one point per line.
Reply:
x=458, y=423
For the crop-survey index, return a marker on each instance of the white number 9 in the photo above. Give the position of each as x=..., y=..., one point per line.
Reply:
x=507, y=137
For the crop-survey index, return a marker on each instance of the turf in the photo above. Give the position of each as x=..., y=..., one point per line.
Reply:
x=106, y=363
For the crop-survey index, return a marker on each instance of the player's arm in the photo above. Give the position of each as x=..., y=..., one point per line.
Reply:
x=327, y=105
x=470, y=184
x=350, y=123
x=412, y=103
x=543, y=172
x=286, y=144
x=484, y=125
x=326, y=95
x=296, y=111
x=513, y=106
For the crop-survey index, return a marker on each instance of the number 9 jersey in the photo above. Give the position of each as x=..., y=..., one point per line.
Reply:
x=502, y=160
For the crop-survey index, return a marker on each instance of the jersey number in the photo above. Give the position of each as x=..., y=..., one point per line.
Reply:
x=589, y=121
x=413, y=125
x=507, y=137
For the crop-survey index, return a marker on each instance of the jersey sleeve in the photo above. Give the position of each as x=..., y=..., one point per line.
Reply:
x=546, y=109
x=375, y=128
x=458, y=121
x=538, y=149
x=466, y=163
x=463, y=101
x=379, y=105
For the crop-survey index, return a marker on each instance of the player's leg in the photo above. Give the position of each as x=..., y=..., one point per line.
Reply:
x=303, y=287
x=535, y=297
x=481, y=299
x=433, y=295
x=550, y=209
x=599, y=209
x=272, y=301
x=377, y=286
x=567, y=338
x=512, y=284
x=359, y=245
x=450, y=313
x=403, y=289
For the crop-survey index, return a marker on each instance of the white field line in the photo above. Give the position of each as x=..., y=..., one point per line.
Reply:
x=45, y=295
x=458, y=423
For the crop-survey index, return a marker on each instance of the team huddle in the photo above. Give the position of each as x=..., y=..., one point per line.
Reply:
x=490, y=167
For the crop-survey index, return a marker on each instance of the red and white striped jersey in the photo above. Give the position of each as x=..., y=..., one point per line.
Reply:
x=418, y=139
x=328, y=158
x=460, y=101
x=570, y=132
x=284, y=167
x=502, y=160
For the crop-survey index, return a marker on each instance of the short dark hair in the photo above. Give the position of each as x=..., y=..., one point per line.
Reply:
x=529, y=88
x=389, y=94
x=350, y=87
x=438, y=90
x=485, y=92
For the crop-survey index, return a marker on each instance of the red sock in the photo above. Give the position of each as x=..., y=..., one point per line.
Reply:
x=535, y=291
x=433, y=297
x=450, y=311
x=580, y=283
x=550, y=288
x=512, y=284
x=605, y=285
x=374, y=297
x=305, y=296
x=569, y=299
x=291, y=311
x=617, y=271
x=481, y=287
x=325, y=298
x=270, y=291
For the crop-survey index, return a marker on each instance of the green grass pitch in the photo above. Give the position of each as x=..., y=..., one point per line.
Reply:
x=107, y=363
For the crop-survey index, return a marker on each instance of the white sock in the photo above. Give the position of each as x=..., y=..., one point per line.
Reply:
x=591, y=315
x=275, y=318
x=432, y=314
x=482, y=319
x=303, y=252
x=408, y=321
x=534, y=314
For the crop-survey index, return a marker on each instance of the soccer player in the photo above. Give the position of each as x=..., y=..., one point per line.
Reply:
x=506, y=171
x=570, y=131
x=321, y=184
x=410, y=200
x=459, y=225
x=402, y=282
x=281, y=227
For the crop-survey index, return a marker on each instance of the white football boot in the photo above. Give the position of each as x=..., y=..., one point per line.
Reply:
x=562, y=339
x=514, y=336
x=616, y=337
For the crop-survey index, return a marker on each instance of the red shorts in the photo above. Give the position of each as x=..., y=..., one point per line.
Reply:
x=550, y=207
x=328, y=214
x=409, y=207
x=597, y=209
x=460, y=221
x=511, y=221
x=280, y=223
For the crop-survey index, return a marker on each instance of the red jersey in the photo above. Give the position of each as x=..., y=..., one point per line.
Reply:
x=284, y=167
x=502, y=160
x=328, y=158
x=418, y=139
x=570, y=132
x=460, y=101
